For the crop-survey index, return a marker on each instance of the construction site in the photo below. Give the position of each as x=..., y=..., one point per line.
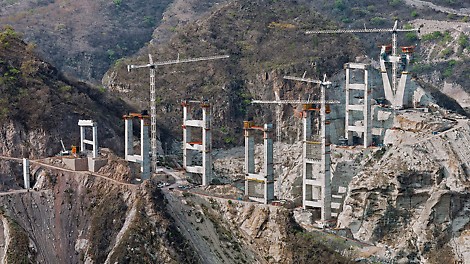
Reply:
x=363, y=120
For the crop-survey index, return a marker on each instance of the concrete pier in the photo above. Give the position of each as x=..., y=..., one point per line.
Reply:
x=259, y=187
x=144, y=158
x=204, y=146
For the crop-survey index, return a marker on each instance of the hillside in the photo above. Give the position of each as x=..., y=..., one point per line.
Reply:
x=68, y=216
x=83, y=38
x=82, y=217
x=263, y=47
x=39, y=106
x=443, y=50
x=405, y=199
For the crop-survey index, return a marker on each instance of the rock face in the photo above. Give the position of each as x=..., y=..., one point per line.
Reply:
x=413, y=195
x=78, y=218
x=270, y=232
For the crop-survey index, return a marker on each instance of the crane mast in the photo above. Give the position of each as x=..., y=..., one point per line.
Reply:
x=153, y=111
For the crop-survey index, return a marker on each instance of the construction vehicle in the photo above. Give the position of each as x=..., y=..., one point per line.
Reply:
x=63, y=152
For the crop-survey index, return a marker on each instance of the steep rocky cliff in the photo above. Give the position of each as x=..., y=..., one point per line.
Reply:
x=78, y=218
x=68, y=216
x=413, y=195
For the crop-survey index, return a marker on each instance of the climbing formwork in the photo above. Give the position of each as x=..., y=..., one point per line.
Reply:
x=316, y=159
x=144, y=158
x=204, y=146
x=358, y=100
x=259, y=187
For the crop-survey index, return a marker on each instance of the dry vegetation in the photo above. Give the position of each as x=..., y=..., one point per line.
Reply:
x=83, y=38
x=38, y=97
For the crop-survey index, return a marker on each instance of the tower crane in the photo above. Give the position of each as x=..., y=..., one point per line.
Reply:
x=280, y=102
x=394, y=93
x=153, y=113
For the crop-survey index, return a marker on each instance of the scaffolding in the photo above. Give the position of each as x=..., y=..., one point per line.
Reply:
x=358, y=100
x=316, y=176
x=144, y=158
x=259, y=187
x=316, y=168
x=204, y=146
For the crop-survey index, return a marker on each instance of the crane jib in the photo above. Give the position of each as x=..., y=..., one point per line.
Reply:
x=374, y=30
x=177, y=61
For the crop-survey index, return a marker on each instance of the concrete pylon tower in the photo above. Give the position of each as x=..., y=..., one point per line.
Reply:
x=94, y=142
x=204, y=146
x=358, y=100
x=317, y=161
x=144, y=158
x=395, y=92
x=259, y=187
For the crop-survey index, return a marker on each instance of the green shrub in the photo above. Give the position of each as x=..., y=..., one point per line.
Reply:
x=111, y=54
x=346, y=20
x=65, y=88
x=377, y=21
x=149, y=21
x=463, y=40
x=447, y=72
x=411, y=36
x=447, y=37
x=339, y=4
x=446, y=52
x=432, y=36
x=395, y=2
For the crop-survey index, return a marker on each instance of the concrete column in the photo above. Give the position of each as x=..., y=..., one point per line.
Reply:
x=128, y=139
x=82, y=138
x=145, y=148
x=307, y=133
x=326, y=161
x=400, y=95
x=95, y=140
x=249, y=156
x=348, y=134
x=367, y=111
x=206, y=145
x=389, y=95
x=268, y=164
x=187, y=155
x=26, y=176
